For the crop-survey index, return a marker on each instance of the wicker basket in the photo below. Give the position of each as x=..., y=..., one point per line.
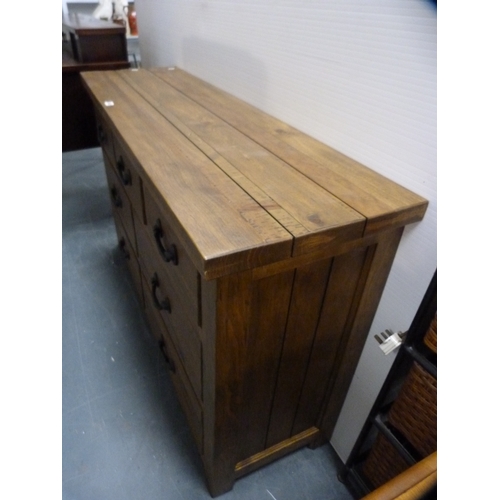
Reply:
x=430, y=338
x=414, y=413
x=383, y=462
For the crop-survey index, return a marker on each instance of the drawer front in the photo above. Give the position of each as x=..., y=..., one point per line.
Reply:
x=190, y=404
x=105, y=136
x=129, y=178
x=175, y=308
x=120, y=204
x=149, y=253
x=130, y=257
x=166, y=244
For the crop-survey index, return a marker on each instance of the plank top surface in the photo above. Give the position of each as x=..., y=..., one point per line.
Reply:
x=244, y=186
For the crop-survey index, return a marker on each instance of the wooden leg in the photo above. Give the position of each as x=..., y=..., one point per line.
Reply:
x=319, y=441
x=220, y=480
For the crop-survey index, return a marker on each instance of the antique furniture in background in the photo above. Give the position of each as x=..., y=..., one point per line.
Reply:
x=88, y=44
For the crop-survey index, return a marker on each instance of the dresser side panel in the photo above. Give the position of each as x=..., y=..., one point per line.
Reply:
x=368, y=294
x=305, y=307
x=343, y=282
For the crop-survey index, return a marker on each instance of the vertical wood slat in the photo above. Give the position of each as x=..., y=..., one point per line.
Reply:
x=260, y=360
x=242, y=338
x=220, y=428
x=221, y=377
x=375, y=272
x=342, y=284
x=307, y=297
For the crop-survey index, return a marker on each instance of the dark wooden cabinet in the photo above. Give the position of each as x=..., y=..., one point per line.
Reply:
x=259, y=255
x=88, y=44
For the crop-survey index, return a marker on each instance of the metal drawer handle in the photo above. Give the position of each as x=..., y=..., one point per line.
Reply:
x=168, y=254
x=123, y=247
x=115, y=198
x=170, y=363
x=125, y=175
x=164, y=305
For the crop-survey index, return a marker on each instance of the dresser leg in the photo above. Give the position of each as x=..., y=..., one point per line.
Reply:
x=319, y=441
x=219, y=482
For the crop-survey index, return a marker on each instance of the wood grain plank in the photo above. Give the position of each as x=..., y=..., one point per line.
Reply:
x=287, y=192
x=277, y=451
x=209, y=210
x=226, y=309
x=342, y=284
x=259, y=358
x=383, y=202
x=370, y=286
x=305, y=306
x=220, y=420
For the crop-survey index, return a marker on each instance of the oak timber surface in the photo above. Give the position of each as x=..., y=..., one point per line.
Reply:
x=300, y=205
x=219, y=217
x=381, y=201
x=253, y=190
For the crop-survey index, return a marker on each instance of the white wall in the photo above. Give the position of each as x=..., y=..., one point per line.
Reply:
x=359, y=75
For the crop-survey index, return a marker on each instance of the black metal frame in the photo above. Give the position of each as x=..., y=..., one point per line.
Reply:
x=413, y=349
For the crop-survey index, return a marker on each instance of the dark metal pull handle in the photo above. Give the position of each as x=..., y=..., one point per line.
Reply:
x=115, y=198
x=101, y=135
x=123, y=247
x=168, y=254
x=170, y=363
x=125, y=175
x=164, y=305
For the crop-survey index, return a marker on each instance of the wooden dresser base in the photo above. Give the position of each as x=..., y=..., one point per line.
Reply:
x=258, y=277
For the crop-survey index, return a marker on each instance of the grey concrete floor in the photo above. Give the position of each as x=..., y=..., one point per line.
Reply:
x=123, y=433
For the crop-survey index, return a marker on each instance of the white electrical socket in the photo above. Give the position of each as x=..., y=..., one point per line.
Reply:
x=391, y=340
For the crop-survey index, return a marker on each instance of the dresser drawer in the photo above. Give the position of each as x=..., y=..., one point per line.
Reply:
x=185, y=286
x=167, y=247
x=129, y=178
x=190, y=404
x=105, y=136
x=120, y=204
x=175, y=308
x=130, y=257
